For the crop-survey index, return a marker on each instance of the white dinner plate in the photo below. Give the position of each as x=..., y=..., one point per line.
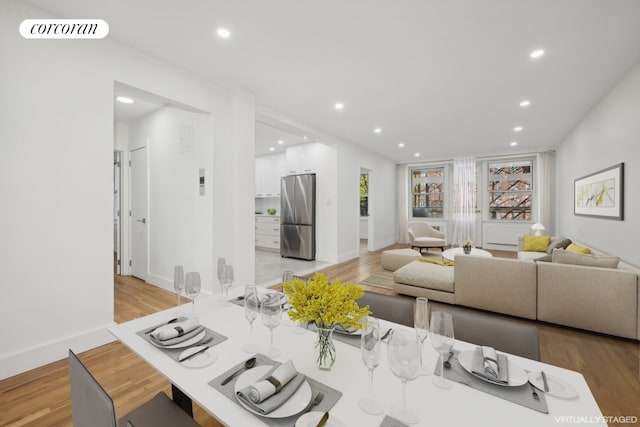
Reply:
x=297, y=403
x=310, y=419
x=191, y=341
x=557, y=387
x=517, y=375
x=201, y=360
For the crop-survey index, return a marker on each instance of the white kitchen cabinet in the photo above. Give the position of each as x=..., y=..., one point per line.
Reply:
x=313, y=157
x=268, y=232
x=303, y=158
x=269, y=170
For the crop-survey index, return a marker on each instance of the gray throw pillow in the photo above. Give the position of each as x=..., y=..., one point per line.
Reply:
x=564, y=257
x=546, y=258
x=558, y=243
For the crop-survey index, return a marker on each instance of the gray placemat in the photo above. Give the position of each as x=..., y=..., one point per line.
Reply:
x=331, y=395
x=522, y=395
x=174, y=353
x=392, y=422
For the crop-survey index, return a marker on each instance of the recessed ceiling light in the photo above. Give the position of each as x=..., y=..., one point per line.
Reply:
x=537, y=53
x=124, y=99
x=223, y=33
x=377, y=130
x=517, y=129
x=305, y=137
x=339, y=106
x=513, y=143
x=525, y=103
x=272, y=149
x=401, y=145
x=280, y=142
x=417, y=154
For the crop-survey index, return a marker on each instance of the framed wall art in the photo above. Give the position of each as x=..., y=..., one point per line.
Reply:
x=601, y=194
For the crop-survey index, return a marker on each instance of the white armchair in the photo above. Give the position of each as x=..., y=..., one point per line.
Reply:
x=422, y=236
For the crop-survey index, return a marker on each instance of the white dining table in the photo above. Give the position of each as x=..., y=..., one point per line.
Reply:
x=460, y=405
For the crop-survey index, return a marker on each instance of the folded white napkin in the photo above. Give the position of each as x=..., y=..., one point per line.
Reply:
x=269, y=386
x=491, y=365
x=173, y=330
x=490, y=358
x=273, y=389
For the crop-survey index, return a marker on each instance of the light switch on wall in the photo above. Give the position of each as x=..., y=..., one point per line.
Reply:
x=201, y=181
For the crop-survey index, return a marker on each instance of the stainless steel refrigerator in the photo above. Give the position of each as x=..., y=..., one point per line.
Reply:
x=298, y=216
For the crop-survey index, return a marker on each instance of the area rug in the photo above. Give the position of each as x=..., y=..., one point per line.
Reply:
x=383, y=279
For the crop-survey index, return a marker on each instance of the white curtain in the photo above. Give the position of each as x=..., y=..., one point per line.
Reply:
x=402, y=202
x=544, y=190
x=464, y=200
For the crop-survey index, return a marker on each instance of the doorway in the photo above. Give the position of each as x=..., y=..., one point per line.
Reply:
x=365, y=220
x=117, y=208
x=138, y=213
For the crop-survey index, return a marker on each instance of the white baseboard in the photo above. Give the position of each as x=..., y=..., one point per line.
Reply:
x=348, y=256
x=384, y=244
x=27, y=360
x=160, y=282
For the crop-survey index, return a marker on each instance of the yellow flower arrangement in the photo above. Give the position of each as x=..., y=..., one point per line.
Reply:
x=467, y=243
x=324, y=303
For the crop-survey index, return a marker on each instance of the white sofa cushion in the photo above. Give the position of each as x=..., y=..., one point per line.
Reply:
x=562, y=256
x=425, y=275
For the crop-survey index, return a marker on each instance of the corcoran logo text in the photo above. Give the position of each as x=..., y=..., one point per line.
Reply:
x=64, y=29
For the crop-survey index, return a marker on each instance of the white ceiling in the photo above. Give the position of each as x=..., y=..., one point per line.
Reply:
x=268, y=139
x=444, y=77
x=144, y=103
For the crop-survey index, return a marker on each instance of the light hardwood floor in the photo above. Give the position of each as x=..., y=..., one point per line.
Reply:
x=41, y=397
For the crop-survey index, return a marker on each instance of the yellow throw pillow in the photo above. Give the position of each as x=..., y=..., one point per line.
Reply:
x=578, y=249
x=536, y=243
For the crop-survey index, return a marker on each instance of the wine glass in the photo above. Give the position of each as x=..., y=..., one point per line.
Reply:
x=178, y=283
x=421, y=325
x=192, y=288
x=221, y=271
x=251, y=309
x=271, y=314
x=442, y=341
x=228, y=280
x=403, y=352
x=370, y=347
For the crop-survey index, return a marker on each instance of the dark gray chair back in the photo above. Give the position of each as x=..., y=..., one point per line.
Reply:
x=91, y=406
x=499, y=332
x=398, y=309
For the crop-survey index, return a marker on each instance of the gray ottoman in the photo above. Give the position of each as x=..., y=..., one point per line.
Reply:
x=395, y=258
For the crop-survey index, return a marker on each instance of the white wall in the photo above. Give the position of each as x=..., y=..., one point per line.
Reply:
x=608, y=135
x=56, y=177
x=382, y=200
x=180, y=229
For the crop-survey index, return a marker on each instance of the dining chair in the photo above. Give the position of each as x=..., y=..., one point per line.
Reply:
x=398, y=309
x=91, y=405
x=498, y=332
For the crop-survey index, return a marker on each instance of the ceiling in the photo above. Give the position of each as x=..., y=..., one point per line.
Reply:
x=443, y=77
x=268, y=139
x=143, y=104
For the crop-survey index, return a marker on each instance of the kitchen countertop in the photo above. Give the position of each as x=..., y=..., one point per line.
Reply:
x=264, y=214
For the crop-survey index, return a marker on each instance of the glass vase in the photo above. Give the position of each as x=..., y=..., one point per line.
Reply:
x=326, y=348
x=467, y=249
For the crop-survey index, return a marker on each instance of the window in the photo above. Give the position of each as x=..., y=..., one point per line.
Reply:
x=364, y=194
x=510, y=191
x=427, y=192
